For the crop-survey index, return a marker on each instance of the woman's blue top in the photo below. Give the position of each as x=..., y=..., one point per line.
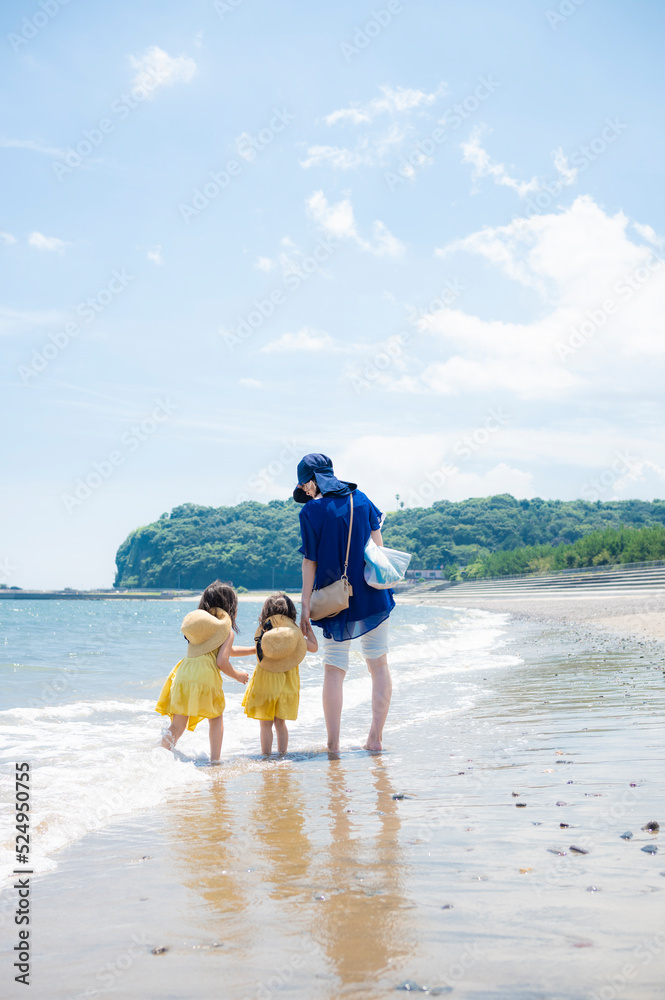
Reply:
x=324, y=527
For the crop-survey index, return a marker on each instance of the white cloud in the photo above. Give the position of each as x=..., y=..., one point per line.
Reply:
x=393, y=100
x=250, y=383
x=305, y=339
x=373, y=149
x=368, y=152
x=29, y=320
x=339, y=221
x=156, y=68
x=6, y=239
x=590, y=276
x=483, y=166
x=155, y=255
x=265, y=264
x=50, y=243
x=567, y=174
x=34, y=145
x=423, y=468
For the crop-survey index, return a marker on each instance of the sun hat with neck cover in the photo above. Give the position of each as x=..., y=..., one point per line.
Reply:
x=320, y=469
x=205, y=630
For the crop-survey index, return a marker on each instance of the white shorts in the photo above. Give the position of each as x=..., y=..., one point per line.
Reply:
x=373, y=645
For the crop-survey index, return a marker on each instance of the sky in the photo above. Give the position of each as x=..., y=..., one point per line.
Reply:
x=424, y=238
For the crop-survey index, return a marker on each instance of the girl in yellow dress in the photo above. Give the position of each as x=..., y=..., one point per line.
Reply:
x=193, y=690
x=273, y=693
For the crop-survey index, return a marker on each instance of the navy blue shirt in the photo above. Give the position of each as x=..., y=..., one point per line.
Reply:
x=324, y=528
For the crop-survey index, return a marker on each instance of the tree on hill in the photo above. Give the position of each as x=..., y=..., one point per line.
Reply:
x=255, y=544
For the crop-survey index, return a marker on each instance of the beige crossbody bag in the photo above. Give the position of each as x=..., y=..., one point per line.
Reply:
x=330, y=600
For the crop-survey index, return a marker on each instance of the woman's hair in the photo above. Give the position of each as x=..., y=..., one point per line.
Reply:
x=278, y=604
x=313, y=480
x=220, y=595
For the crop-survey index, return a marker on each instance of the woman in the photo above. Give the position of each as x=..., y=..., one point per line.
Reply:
x=324, y=527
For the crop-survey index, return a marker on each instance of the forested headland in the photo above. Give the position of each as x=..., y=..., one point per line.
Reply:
x=255, y=545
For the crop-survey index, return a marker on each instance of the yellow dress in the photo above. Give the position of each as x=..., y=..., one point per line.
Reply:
x=269, y=694
x=193, y=688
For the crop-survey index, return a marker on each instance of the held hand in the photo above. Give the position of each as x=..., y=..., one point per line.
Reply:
x=242, y=676
x=305, y=626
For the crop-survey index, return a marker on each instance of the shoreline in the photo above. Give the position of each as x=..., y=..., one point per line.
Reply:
x=634, y=615
x=410, y=866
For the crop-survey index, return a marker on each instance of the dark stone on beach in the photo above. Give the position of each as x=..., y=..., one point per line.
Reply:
x=633, y=784
x=515, y=794
x=535, y=823
x=564, y=825
x=158, y=951
x=650, y=849
x=447, y=906
x=592, y=888
x=557, y=850
x=578, y=850
x=626, y=836
x=398, y=795
x=561, y=803
x=319, y=895
x=652, y=826
x=521, y=805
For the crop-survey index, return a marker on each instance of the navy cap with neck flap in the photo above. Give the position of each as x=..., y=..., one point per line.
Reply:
x=320, y=468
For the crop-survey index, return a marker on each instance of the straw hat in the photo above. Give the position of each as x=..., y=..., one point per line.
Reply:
x=205, y=631
x=282, y=644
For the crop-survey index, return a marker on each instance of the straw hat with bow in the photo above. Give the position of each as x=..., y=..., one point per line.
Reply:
x=280, y=645
x=205, y=630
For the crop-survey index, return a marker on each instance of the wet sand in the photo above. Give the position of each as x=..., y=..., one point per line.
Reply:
x=635, y=614
x=306, y=876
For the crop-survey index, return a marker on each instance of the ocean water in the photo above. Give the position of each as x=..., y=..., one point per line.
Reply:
x=80, y=681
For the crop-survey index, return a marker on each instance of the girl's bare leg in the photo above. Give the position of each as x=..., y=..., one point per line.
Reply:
x=216, y=737
x=174, y=732
x=333, y=679
x=266, y=736
x=282, y=735
x=381, y=691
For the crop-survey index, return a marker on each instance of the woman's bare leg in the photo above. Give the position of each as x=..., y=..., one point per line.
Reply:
x=174, y=732
x=381, y=691
x=333, y=696
x=216, y=737
x=282, y=735
x=266, y=736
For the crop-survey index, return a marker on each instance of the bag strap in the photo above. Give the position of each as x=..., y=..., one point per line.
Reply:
x=348, y=544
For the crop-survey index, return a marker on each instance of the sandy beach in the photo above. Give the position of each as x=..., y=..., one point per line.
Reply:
x=630, y=613
x=480, y=856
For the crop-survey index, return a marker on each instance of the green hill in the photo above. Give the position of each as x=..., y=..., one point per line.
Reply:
x=600, y=548
x=256, y=545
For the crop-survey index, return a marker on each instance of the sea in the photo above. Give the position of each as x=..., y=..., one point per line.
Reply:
x=80, y=680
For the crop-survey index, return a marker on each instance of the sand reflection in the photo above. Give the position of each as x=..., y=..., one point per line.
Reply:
x=363, y=924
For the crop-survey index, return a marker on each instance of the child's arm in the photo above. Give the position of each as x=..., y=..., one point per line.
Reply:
x=312, y=641
x=226, y=666
x=242, y=651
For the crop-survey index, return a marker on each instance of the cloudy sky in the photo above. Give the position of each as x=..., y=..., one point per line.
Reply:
x=422, y=237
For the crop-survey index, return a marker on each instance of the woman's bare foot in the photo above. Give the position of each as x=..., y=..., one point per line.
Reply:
x=374, y=745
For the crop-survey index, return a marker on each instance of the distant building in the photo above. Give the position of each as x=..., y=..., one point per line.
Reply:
x=424, y=574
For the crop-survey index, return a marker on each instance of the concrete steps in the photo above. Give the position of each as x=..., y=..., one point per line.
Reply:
x=612, y=582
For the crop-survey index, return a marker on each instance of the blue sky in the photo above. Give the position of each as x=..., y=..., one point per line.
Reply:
x=424, y=238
